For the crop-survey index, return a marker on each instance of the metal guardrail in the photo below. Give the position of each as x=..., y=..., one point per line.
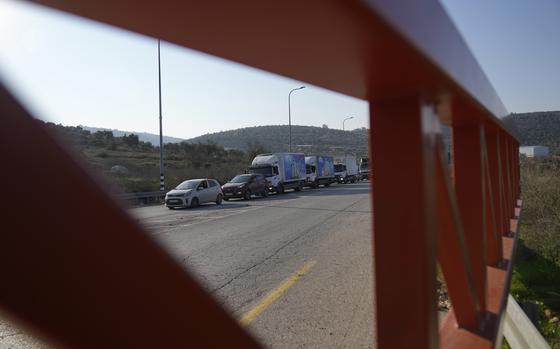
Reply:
x=519, y=330
x=147, y=196
x=407, y=59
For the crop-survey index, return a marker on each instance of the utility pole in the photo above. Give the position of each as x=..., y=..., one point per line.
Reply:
x=161, y=177
x=290, y=113
x=343, y=121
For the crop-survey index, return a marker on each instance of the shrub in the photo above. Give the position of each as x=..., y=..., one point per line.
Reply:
x=540, y=227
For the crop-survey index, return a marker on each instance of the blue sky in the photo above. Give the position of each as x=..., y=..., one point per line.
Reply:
x=517, y=43
x=74, y=71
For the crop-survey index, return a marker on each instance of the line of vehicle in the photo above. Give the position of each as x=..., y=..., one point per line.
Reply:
x=273, y=295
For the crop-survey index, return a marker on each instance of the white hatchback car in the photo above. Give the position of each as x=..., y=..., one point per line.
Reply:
x=194, y=192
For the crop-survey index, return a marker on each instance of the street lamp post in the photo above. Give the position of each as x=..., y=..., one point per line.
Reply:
x=161, y=177
x=290, y=113
x=343, y=121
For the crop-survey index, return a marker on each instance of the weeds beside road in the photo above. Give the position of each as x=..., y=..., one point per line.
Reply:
x=536, y=274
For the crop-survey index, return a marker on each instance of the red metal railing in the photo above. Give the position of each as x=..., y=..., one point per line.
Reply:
x=80, y=272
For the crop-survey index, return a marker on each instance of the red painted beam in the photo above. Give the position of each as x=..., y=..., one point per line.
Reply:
x=469, y=186
x=376, y=50
x=371, y=49
x=77, y=269
x=404, y=243
x=489, y=336
x=452, y=250
x=494, y=223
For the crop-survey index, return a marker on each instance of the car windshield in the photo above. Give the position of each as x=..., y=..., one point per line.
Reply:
x=364, y=167
x=339, y=168
x=191, y=184
x=266, y=171
x=241, y=179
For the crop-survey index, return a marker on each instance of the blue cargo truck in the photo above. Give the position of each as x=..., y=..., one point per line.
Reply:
x=319, y=170
x=282, y=170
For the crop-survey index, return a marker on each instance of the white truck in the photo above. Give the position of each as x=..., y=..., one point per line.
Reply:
x=346, y=169
x=319, y=170
x=282, y=170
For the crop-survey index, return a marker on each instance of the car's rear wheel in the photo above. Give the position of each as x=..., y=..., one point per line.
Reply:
x=194, y=203
x=170, y=208
x=247, y=195
x=219, y=199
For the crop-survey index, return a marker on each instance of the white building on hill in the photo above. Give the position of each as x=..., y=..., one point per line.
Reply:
x=534, y=151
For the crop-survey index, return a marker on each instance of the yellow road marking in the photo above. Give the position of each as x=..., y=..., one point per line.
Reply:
x=275, y=294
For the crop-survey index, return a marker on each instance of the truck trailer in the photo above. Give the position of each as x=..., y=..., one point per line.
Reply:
x=282, y=170
x=319, y=170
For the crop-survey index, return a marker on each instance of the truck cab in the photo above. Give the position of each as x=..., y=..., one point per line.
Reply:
x=270, y=172
x=364, y=168
x=346, y=169
x=311, y=171
x=282, y=170
x=319, y=170
x=340, y=173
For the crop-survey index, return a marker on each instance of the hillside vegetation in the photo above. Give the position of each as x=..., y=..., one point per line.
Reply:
x=130, y=165
x=142, y=136
x=539, y=128
x=306, y=139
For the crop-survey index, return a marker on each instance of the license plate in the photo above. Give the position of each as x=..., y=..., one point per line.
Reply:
x=228, y=194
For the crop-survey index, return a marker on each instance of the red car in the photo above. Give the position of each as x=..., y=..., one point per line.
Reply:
x=245, y=185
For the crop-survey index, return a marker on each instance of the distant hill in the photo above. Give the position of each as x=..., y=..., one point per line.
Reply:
x=142, y=136
x=538, y=128
x=307, y=139
x=131, y=165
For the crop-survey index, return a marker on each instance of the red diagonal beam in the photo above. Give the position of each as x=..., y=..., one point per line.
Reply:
x=78, y=270
x=452, y=251
x=494, y=249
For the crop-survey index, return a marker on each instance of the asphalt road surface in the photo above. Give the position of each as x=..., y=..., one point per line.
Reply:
x=295, y=269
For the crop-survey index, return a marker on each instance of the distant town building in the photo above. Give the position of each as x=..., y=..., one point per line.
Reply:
x=534, y=151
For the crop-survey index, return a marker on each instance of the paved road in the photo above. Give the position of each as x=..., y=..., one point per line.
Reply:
x=294, y=268
x=243, y=251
